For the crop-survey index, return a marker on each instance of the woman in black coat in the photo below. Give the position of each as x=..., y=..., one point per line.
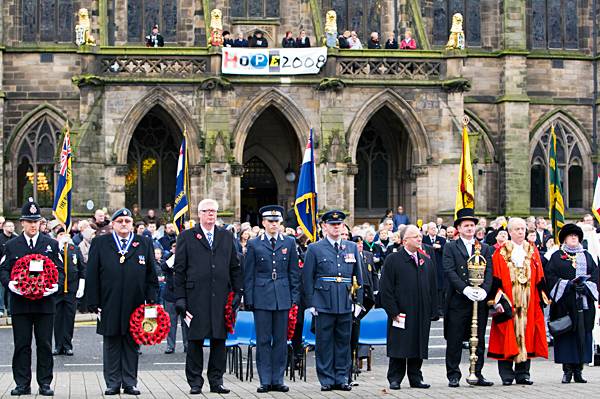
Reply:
x=572, y=276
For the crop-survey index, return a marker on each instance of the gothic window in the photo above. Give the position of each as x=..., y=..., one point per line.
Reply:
x=373, y=170
x=142, y=15
x=553, y=24
x=254, y=8
x=362, y=16
x=47, y=20
x=443, y=10
x=570, y=166
x=35, y=160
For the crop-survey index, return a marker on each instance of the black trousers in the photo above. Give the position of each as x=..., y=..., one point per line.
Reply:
x=120, y=361
x=64, y=321
x=399, y=366
x=457, y=326
x=24, y=326
x=332, y=350
x=520, y=371
x=217, y=361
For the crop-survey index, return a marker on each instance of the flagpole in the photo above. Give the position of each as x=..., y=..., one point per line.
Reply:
x=188, y=188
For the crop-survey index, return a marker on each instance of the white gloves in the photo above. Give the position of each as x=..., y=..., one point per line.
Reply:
x=50, y=291
x=313, y=311
x=474, y=294
x=12, y=285
x=81, y=289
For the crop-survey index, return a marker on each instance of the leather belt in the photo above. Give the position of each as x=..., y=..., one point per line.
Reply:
x=337, y=279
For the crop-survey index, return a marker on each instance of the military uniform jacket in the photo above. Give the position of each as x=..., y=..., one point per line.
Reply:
x=204, y=276
x=119, y=288
x=17, y=248
x=455, y=267
x=271, y=276
x=75, y=269
x=322, y=263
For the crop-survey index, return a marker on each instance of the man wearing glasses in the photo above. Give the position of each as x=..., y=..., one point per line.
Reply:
x=207, y=268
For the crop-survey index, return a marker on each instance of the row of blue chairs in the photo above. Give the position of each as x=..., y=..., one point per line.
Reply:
x=373, y=331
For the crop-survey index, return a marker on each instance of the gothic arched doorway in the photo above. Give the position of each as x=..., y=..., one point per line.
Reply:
x=271, y=155
x=152, y=161
x=383, y=156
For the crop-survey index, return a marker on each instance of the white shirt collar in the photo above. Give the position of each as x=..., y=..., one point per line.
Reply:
x=332, y=242
x=34, y=238
x=518, y=254
x=468, y=242
x=211, y=231
x=412, y=254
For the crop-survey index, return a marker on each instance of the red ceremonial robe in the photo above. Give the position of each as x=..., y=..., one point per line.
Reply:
x=506, y=341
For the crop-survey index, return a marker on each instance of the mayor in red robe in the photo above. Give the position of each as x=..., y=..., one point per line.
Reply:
x=518, y=331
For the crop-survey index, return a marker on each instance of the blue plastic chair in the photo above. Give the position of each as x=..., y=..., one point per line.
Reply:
x=246, y=335
x=308, y=340
x=373, y=331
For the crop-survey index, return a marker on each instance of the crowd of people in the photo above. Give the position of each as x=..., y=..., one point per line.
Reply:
x=541, y=291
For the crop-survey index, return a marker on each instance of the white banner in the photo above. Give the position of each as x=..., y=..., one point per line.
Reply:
x=273, y=61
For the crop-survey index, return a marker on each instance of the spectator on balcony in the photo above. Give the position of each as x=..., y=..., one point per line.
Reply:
x=373, y=43
x=155, y=39
x=391, y=43
x=302, y=40
x=258, y=40
x=354, y=41
x=227, y=40
x=288, y=41
x=408, y=43
x=343, y=40
x=240, y=41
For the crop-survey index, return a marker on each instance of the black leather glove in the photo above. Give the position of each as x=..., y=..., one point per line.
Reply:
x=180, y=306
x=248, y=307
x=93, y=308
x=580, y=289
x=236, y=301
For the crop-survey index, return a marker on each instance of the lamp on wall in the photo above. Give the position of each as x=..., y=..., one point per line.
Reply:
x=290, y=176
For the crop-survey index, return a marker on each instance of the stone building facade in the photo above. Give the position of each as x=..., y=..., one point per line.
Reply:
x=387, y=123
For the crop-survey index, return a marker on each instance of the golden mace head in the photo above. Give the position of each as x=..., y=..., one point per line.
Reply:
x=476, y=265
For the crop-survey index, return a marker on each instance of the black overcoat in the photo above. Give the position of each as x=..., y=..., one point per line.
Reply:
x=119, y=288
x=412, y=290
x=204, y=277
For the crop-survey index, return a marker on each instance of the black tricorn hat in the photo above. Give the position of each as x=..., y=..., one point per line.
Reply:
x=569, y=229
x=31, y=211
x=465, y=214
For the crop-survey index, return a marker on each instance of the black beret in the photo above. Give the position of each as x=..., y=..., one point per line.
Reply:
x=121, y=212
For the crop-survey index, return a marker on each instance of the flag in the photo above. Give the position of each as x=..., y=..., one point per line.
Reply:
x=62, y=198
x=596, y=200
x=557, y=205
x=181, y=188
x=465, y=195
x=305, y=206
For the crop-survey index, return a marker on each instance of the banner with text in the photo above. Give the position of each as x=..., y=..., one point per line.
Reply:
x=273, y=61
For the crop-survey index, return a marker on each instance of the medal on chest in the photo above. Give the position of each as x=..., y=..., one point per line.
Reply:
x=122, y=248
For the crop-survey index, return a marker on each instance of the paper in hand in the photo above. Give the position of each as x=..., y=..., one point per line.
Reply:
x=188, y=318
x=401, y=323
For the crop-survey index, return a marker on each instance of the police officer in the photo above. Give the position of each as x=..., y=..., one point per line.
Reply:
x=329, y=268
x=66, y=298
x=29, y=315
x=120, y=276
x=271, y=287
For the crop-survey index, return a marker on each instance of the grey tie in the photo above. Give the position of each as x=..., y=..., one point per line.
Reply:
x=209, y=238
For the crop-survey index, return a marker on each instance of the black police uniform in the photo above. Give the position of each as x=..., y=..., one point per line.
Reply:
x=31, y=316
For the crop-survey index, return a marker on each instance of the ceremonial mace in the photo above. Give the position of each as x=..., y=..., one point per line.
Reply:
x=476, y=265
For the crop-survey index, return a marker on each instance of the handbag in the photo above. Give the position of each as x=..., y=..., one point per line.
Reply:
x=561, y=325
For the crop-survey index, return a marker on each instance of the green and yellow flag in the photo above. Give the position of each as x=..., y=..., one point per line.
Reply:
x=557, y=205
x=465, y=195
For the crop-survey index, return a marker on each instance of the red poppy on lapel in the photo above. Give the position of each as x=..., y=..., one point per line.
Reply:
x=135, y=244
x=284, y=251
x=198, y=236
x=421, y=262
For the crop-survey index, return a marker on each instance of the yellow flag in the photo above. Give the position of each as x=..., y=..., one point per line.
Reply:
x=465, y=195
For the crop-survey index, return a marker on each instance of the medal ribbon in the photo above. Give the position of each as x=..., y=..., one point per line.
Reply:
x=122, y=249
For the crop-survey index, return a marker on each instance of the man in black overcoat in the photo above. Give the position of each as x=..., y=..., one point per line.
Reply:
x=30, y=316
x=207, y=268
x=120, y=276
x=461, y=295
x=408, y=290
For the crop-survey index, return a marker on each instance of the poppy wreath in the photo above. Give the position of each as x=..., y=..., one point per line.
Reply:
x=229, y=314
x=292, y=320
x=149, y=331
x=33, y=284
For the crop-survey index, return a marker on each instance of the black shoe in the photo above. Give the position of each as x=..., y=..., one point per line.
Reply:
x=112, y=391
x=57, y=352
x=507, y=382
x=280, y=388
x=420, y=384
x=20, y=390
x=465, y=345
x=219, y=389
x=482, y=382
x=567, y=377
x=69, y=352
x=131, y=391
x=195, y=390
x=551, y=342
x=326, y=388
x=45, y=390
x=453, y=383
x=263, y=389
x=579, y=378
x=526, y=381
x=344, y=387
x=395, y=385
x=169, y=351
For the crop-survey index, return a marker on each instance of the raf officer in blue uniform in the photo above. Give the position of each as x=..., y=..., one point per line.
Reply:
x=330, y=265
x=271, y=287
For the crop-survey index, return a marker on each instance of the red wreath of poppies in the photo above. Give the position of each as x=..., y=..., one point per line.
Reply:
x=149, y=331
x=292, y=320
x=33, y=284
x=229, y=314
